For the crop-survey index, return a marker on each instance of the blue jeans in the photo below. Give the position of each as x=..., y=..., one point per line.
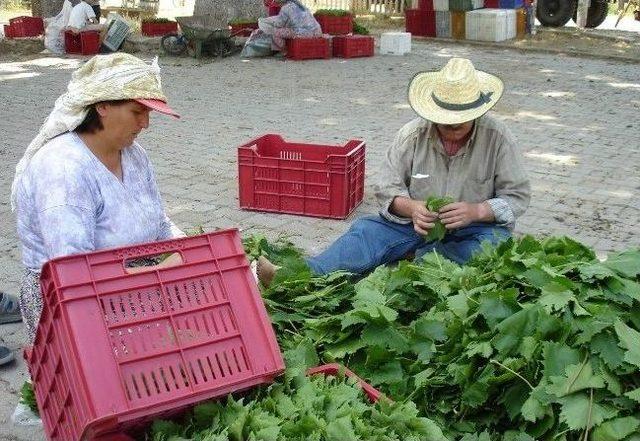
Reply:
x=372, y=241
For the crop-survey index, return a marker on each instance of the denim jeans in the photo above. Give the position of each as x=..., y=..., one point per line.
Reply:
x=372, y=241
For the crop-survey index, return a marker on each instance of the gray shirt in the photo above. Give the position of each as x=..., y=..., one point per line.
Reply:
x=68, y=202
x=488, y=168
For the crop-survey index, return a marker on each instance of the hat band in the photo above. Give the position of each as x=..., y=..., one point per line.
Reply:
x=484, y=98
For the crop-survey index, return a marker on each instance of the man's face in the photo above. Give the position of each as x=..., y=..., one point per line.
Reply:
x=454, y=132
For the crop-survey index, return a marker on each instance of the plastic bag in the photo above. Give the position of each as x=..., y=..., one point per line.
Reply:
x=23, y=416
x=54, y=32
x=258, y=45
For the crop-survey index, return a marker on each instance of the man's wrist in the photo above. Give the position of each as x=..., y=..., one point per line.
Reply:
x=484, y=212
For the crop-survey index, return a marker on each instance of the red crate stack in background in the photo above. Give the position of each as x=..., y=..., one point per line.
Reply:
x=8, y=31
x=308, y=48
x=158, y=29
x=335, y=24
x=350, y=46
x=114, y=350
x=425, y=5
x=305, y=179
x=24, y=27
x=420, y=22
x=494, y=4
x=83, y=42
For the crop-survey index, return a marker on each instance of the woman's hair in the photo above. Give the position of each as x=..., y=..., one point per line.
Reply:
x=92, y=122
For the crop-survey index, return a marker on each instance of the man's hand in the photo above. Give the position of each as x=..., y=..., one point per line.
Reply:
x=461, y=214
x=423, y=219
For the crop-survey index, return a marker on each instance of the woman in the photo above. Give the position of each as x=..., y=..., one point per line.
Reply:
x=84, y=184
x=294, y=19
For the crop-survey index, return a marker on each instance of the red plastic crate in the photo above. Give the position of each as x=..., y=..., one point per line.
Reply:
x=420, y=22
x=27, y=26
x=153, y=29
x=114, y=350
x=425, y=5
x=8, y=31
x=83, y=42
x=308, y=48
x=305, y=179
x=334, y=369
x=335, y=25
x=244, y=29
x=350, y=46
x=492, y=3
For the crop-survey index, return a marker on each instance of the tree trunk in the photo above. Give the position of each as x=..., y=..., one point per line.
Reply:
x=233, y=8
x=46, y=8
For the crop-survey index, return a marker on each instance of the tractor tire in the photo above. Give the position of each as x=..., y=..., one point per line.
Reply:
x=596, y=15
x=555, y=13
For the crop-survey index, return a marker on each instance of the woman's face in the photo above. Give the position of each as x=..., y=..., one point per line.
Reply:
x=123, y=123
x=454, y=132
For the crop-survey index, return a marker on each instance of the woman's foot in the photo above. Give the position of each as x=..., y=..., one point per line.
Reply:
x=266, y=271
x=9, y=309
x=6, y=356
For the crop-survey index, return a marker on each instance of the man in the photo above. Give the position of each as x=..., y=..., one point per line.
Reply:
x=9, y=313
x=81, y=15
x=454, y=149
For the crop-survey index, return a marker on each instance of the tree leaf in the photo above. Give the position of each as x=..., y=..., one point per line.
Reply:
x=577, y=411
x=616, y=429
x=629, y=339
x=577, y=377
x=634, y=395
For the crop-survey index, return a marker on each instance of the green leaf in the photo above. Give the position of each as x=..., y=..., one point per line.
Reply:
x=497, y=306
x=577, y=377
x=431, y=329
x=458, y=305
x=434, y=204
x=557, y=357
x=616, y=429
x=341, y=429
x=629, y=339
x=578, y=410
x=532, y=409
x=606, y=345
x=555, y=297
x=634, y=395
x=626, y=263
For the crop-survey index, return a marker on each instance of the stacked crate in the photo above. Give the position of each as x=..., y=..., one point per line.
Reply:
x=519, y=25
x=459, y=10
x=490, y=24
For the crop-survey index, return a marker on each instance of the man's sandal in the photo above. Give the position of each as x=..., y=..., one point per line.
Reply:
x=6, y=356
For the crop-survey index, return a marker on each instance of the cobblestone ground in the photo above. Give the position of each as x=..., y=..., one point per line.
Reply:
x=576, y=120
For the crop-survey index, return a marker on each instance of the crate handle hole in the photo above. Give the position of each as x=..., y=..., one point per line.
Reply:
x=152, y=262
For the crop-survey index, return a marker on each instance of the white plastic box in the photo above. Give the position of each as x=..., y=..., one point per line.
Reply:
x=490, y=24
x=443, y=24
x=395, y=43
x=440, y=5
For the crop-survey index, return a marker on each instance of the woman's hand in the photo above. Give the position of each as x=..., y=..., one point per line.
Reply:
x=461, y=214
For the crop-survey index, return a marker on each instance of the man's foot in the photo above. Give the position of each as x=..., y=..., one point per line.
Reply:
x=266, y=271
x=9, y=309
x=6, y=356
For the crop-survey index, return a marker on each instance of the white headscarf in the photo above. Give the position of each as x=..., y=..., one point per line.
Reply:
x=111, y=77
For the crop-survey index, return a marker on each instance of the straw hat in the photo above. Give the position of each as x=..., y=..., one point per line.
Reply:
x=456, y=94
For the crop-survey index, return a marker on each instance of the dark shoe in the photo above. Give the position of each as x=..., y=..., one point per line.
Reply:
x=6, y=356
x=9, y=309
x=266, y=271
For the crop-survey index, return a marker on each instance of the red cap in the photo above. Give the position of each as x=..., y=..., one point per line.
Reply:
x=158, y=106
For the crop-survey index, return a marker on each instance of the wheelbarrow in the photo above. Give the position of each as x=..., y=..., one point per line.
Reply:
x=202, y=34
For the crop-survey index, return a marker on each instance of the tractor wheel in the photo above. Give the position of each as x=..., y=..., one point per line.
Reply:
x=555, y=13
x=596, y=15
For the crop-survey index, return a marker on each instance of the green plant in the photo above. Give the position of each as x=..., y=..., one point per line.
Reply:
x=333, y=12
x=28, y=397
x=157, y=20
x=359, y=29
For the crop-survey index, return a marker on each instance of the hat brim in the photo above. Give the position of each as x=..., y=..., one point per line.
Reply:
x=158, y=106
x=422, y=102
